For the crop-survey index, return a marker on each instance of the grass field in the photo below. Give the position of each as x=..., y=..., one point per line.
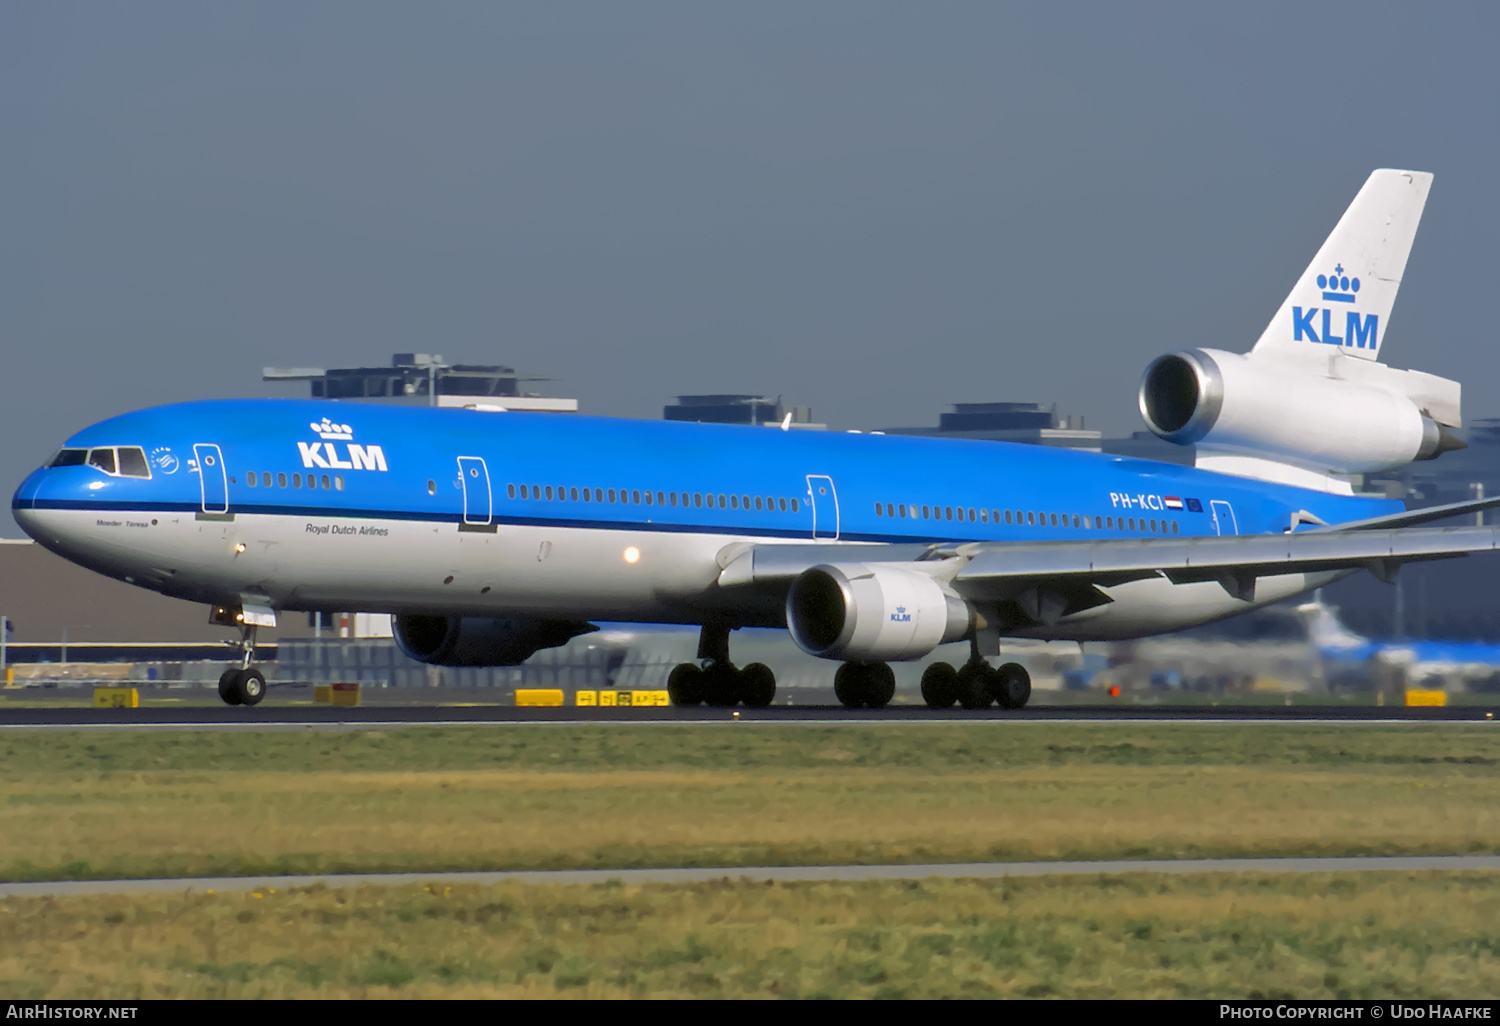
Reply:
x=1373, y=935
x=163, y=803
x=94, y=805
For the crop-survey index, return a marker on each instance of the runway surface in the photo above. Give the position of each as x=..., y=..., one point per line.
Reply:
x=273, y=716
x=781, y=874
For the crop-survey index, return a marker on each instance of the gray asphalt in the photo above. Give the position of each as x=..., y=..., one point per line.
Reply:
x=285, y=717
x=783, y=874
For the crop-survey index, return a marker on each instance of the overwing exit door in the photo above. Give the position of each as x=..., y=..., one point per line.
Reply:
x=825, y=506
x=479, y=501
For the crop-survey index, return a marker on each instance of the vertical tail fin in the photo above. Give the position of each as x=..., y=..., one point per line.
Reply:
x=1344, y=298
x=1325, y=630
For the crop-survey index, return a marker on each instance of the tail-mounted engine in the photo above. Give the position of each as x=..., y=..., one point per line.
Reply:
x=1375, y=418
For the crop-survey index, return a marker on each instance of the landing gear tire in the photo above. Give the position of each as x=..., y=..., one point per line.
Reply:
x=864, y=685
x=229, y=687
x=685, y=684
x=940, y=686
x=252, y=685
x=880, y=685
x=242, y=687
x=1011, y=686
x=973, y=686
x=846, y=686
x=757, y=685
x=721, y=687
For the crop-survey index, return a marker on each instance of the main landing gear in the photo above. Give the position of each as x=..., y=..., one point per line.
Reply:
x=976, y=685
x=718, y=682
x=243, y=684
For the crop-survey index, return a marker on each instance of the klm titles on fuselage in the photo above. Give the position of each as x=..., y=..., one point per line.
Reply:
x=1360, y=331
x=325, y=454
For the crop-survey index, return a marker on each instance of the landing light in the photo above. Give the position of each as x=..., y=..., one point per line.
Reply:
x=240, y=547
x=632, y=554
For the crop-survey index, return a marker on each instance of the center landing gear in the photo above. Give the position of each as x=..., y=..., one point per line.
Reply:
x=718, y=682
x=864, y=685
x=243, y=684
x=976, y=685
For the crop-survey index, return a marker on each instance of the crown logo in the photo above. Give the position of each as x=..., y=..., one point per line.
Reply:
x=900, y=609
x=1338, y=287
x=331, y=431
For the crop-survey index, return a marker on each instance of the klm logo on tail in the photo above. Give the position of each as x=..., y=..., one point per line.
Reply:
x=1318, y=324
x=325, y=454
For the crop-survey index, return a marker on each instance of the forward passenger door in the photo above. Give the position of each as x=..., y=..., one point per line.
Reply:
x=213, y=481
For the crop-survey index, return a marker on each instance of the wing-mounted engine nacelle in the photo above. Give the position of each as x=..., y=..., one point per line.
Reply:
x=1290, y=412
x=873, y=612
x=449, y=640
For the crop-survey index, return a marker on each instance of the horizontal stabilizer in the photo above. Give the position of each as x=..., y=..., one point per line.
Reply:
x=1412, y=517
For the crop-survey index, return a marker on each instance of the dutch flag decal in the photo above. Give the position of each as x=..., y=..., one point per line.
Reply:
x=1172, y=501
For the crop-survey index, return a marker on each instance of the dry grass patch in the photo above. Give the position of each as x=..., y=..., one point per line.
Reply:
x=228, y=823
x=442, y=800
x=1140, y=936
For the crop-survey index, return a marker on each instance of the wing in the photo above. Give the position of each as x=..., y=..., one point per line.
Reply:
x=1234, y=561
x=982, y=570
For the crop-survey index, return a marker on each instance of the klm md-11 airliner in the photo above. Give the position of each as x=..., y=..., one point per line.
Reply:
x=489, y=535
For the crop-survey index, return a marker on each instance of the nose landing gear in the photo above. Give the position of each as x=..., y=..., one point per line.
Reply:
x=243, y=684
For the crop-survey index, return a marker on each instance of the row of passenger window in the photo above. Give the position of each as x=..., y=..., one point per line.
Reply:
x=639, y=497
x=280, y=481
x=1030, y=518
x=115, y=460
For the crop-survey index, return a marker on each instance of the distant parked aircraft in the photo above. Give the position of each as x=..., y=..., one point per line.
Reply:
x=1343, y=650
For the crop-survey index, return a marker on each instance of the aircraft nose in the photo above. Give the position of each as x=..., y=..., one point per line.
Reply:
x=39, y=508
x=23, y=502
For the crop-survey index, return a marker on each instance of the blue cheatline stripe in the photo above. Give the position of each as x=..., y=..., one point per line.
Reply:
x=304, y=512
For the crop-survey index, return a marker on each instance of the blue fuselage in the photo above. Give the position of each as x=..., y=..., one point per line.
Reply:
x=307, y=501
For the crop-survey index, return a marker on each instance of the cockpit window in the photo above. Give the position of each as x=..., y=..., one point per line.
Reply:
x=133, y=461
x=70, y=458
x=117, y=461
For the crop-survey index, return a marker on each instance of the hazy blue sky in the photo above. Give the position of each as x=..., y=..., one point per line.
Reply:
x=875, y=209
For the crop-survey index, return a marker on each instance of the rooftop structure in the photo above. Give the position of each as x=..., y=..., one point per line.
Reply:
x=738, y=409
x=1010, y=422
x=423, y=379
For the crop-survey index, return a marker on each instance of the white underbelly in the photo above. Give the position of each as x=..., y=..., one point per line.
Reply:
x=374, y=565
